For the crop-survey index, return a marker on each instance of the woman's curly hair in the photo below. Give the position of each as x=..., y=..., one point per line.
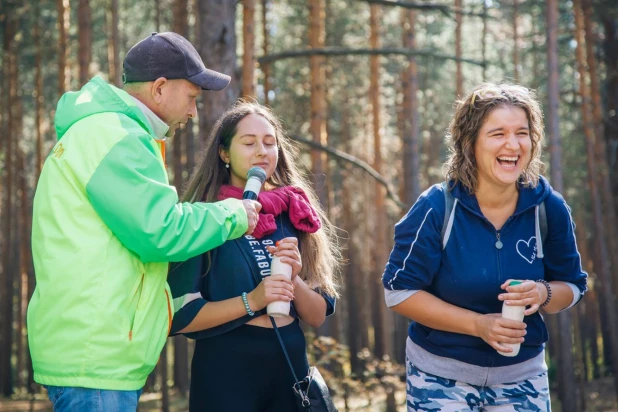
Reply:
x=470, y=115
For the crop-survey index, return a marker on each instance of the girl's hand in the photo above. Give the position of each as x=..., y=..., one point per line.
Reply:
x=495, y=330
x=528, y=293
x=287, y=250
x=271, y=289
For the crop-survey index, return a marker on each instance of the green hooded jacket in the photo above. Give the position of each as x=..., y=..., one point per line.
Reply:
x=105, y=224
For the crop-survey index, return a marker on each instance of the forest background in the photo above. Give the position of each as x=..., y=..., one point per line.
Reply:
x=366, y=88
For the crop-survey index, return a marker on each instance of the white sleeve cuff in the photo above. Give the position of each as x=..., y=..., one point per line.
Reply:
x=395, y=297
x=576, y=295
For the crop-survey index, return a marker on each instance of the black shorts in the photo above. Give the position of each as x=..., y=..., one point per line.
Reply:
x=245, y=370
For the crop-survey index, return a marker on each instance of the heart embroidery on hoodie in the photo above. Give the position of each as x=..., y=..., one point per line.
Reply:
x=527, y=250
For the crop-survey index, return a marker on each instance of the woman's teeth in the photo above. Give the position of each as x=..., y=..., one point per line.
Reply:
x=510, y=160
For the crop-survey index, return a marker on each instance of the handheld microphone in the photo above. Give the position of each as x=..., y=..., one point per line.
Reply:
x=255, y=179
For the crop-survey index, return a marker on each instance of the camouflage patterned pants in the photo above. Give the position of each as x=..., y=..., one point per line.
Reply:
x=427, y=392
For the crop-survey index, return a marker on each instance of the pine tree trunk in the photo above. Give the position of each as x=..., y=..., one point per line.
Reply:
x=458, y=68
x=265, y=49
x=181, y=365
x=602, y=158
x=6, y=291
x=318, y=97
x=40, y=139
x=84, y=22
x=578, y=348
x=248, y=41
x=113, y=51
x=38, y=89
x=157, y=15
x=216, y=43
x=319, y=164
x=365, y=229
x=553, y=96
x=64, y=71
x=353, y=281
x=177, y=145
x=515, y=41
x=608, y=302
x=411, y=166
x=383, y=339
x=190, y=148
x=180, y=22
x=25, y=265
x=594, y=329
x=484, y=41
x=610, y=46
x=165, y=390
x=583, y=309
x=536, y=79
x=560, y=328
x=180, y=25
x=553, y=134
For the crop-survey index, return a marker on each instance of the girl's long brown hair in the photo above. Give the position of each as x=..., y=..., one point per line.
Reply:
x=320, y=253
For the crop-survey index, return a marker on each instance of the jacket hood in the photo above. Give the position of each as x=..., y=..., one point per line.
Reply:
x=528, y=196
x=97, y=96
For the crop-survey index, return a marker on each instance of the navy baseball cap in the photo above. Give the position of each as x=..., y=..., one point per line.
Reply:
x=171, y=56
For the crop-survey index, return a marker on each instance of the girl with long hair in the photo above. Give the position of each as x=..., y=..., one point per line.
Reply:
x=220, y=297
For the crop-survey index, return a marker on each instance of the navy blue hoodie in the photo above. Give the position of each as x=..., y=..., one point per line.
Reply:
x=469, y=271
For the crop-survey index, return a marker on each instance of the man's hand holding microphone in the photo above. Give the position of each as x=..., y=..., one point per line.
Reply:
x=255, y=179
x=252, y=208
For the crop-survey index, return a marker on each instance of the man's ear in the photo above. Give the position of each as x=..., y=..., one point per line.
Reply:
x=157, y=89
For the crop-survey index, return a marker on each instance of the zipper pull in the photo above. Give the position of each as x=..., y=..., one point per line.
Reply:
x=498, y=242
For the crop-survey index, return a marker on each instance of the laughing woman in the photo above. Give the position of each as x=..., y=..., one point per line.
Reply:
x=460, y=246
x=220, y=297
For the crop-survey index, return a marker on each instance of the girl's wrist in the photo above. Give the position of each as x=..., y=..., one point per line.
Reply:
x=297, y=281
x=253, y=304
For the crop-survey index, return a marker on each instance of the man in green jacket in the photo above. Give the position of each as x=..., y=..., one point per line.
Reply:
x=106, y=223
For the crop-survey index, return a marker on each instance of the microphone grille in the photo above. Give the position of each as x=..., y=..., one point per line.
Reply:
x=258, y=173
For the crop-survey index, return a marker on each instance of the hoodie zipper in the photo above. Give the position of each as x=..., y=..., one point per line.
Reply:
x=499, y=245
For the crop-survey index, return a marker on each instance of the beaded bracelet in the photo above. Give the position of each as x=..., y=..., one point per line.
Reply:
x=246, y=302
x=544, y=282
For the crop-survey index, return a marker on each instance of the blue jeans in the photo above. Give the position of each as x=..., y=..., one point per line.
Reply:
x=69, y=399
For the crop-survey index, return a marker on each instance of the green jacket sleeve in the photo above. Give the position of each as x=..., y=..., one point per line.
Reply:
x=130, y=193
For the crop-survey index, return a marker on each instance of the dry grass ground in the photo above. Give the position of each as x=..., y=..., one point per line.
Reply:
x=600, y=397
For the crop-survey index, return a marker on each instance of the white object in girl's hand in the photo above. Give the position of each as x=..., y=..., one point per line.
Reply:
x=279, y=309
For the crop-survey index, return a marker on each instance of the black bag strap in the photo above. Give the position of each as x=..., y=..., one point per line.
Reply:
x=253, y=269
x=285, y=352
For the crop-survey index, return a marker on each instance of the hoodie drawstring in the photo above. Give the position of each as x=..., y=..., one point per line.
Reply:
x=539, y=240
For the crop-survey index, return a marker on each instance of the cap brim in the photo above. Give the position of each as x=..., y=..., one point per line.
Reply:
x=210, y=80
